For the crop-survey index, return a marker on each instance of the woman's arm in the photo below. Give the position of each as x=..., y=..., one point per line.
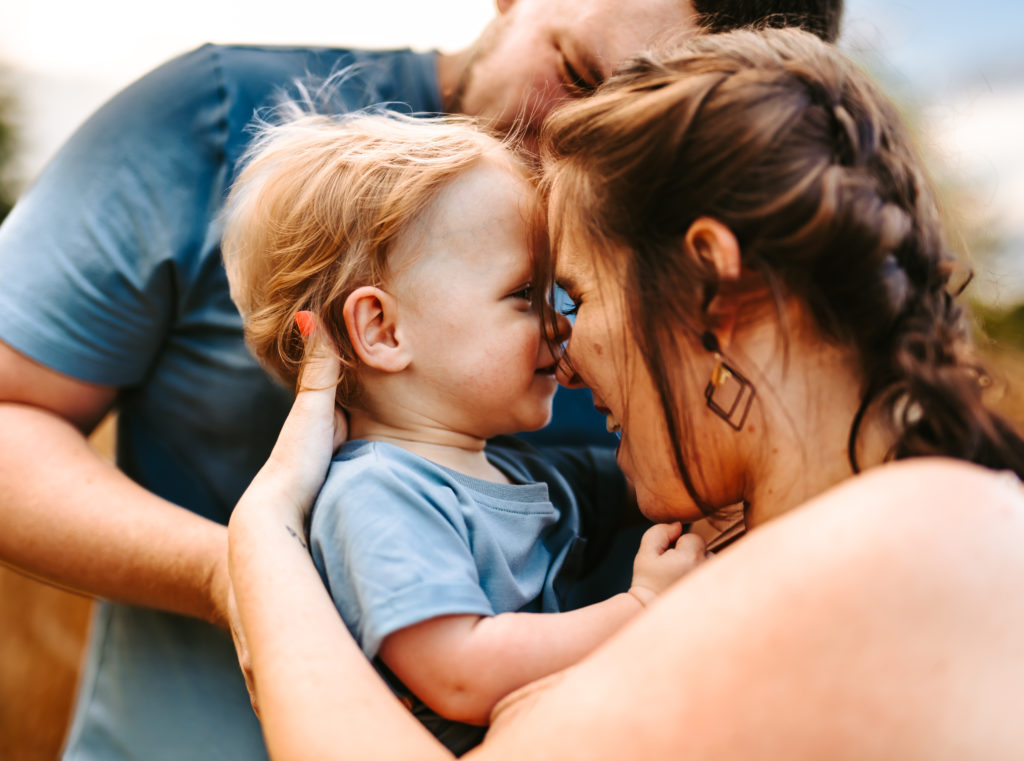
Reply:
x=317, y=695
x=314, y=688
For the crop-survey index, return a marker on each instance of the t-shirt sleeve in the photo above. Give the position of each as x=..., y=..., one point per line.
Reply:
x=602, y=494
x=91, y=257
x=392, y=551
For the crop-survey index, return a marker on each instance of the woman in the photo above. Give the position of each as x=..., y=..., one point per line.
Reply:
x=764, y=308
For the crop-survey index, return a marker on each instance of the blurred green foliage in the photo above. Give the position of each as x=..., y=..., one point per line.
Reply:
x=8, y=145
x=1004, y=326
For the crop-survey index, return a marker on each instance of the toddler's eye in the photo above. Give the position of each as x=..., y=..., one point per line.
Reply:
x=570, y=309
x=525, y=293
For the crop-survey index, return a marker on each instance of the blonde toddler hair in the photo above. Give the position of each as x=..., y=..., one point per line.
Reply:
x=316, y=211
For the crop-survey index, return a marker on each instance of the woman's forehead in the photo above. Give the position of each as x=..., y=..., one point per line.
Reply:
x=580, y=267
x=563, y=227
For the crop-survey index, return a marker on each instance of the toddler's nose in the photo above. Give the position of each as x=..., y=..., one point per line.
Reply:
x=559, y=329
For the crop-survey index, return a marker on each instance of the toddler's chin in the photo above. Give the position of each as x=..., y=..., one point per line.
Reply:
x=541, y=421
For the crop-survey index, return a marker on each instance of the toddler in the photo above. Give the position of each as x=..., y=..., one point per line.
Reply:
x=416, y=245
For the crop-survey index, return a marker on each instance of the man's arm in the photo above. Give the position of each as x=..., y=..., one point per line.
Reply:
x=73, y=519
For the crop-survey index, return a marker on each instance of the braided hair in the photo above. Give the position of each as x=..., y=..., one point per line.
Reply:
x=786, y=142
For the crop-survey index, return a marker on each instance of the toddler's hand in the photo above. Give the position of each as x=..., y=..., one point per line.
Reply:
x=665, y=555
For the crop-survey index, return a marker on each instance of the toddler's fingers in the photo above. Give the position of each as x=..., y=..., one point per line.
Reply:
x=691, y=547
x=659, y=537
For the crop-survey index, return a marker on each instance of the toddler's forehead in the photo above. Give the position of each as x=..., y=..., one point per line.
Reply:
x=491, y=203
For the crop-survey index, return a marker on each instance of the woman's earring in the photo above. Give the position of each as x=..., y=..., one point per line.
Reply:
x=728, y=394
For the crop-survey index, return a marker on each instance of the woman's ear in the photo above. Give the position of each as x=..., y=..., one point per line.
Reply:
x=371, y=318
x=711, y=241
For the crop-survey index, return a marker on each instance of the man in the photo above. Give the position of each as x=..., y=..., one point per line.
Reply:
x=113, y=296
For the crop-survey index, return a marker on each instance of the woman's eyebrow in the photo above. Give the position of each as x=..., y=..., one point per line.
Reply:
x=565, y=282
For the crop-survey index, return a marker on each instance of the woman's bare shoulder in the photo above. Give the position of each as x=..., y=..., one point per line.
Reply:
x=883, y=619
x=937, y=485
x=906, y=511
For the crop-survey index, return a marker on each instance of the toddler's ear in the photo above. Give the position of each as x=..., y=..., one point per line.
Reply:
x=371, y=320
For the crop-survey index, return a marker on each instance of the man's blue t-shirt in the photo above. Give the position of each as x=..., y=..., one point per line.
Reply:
x=399, y=540
x=110, y=272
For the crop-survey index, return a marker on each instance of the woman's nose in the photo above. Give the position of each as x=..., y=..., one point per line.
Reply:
x=565, y=373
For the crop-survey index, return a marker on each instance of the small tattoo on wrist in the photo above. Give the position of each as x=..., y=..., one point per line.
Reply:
x=298, y=537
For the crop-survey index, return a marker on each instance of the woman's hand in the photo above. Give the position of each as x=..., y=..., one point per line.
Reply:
x=283, y=491
x=312, y=432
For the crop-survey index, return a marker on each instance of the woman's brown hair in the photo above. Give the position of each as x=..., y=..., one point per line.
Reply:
x=778, y=136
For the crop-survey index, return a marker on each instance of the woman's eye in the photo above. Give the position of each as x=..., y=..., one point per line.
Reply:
x=563, y=303
x=526, y=294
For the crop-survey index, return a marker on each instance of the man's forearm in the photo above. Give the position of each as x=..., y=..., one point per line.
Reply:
x=73, y=519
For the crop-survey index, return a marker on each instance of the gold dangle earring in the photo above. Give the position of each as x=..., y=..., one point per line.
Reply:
x=728, y=394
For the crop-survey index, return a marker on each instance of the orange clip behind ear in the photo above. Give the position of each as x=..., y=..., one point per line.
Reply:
x=305, y=322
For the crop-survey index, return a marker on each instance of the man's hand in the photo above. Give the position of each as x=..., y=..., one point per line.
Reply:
x=665, y=556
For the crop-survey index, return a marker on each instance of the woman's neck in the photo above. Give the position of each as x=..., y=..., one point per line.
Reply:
x=460, y=452
x=808, y=409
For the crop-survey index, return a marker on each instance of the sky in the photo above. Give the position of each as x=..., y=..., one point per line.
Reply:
x=957, y=66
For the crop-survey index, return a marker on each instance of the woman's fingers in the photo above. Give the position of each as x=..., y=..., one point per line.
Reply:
x=314, y=426
x=322, y=365
x=320, y=374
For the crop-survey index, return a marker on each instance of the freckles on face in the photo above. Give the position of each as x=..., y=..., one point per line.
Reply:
x=603, y=356
x=467, y=320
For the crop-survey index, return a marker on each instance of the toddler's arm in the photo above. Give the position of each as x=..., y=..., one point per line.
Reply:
x=462, y=665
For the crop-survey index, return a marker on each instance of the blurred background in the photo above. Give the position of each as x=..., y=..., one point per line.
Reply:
x=956, y=68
